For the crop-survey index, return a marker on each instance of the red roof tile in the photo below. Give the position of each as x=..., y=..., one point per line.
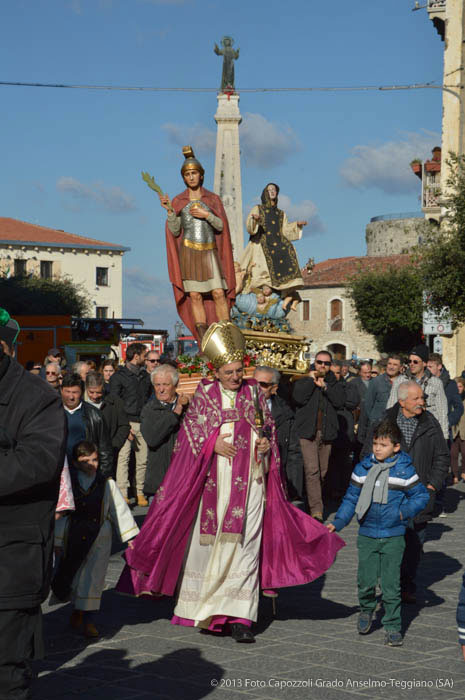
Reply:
x=335, y=271
x=21, y=231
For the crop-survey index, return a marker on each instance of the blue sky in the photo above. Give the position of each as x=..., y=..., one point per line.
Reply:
x=72, y=158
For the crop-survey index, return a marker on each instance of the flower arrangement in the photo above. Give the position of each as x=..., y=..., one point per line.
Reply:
x=198, y=364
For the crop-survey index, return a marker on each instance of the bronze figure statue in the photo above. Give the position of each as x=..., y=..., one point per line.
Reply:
x=229, y=56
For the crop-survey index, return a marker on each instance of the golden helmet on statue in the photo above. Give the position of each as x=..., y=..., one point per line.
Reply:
x=191, y=162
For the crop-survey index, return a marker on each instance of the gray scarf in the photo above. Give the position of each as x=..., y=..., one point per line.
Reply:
x=373, y=492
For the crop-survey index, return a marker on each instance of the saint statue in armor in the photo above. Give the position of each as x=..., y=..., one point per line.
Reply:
x=200, y=260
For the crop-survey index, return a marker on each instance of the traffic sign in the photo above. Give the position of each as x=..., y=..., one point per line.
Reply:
x=437, y=328
x=435, y=323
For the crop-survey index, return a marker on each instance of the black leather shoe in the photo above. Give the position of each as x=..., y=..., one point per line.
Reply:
x=241, y=633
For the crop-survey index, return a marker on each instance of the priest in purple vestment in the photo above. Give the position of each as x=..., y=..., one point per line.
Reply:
x=220, y=527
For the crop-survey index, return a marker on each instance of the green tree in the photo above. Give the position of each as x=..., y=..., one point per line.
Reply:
x=388, y=305
x=441, y=258
x=35, y=296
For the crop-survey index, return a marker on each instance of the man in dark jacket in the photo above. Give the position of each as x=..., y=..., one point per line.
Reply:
x=160, y=422
x=340, y=463
x=377, y=395
x=423, y=440
x=112, y=409
x=317, y=398
x=85, y=422
x=132, y=385
x=358, y=390
x=289, y=447
x=32, y=448
x=454, y=402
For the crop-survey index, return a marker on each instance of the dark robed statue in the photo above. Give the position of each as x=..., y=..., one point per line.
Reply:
x=229, y=56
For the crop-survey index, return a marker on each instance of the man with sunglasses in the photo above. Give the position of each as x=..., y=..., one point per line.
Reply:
x=317, y=397
x=152, y=360
x=53, y=375
x=53, y=355
x=288, y=443
x=433, y=389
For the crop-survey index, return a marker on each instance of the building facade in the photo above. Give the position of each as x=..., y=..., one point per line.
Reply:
x=326, y=316
x=28, y=249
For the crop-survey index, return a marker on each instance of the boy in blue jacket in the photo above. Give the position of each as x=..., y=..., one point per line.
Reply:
x=384, y=492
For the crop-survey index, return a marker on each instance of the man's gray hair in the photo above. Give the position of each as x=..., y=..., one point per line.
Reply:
x=271, y=370
x=56, y=365
x=94, y=379
x=165, y=369
x=402, y=389
x=78, y=366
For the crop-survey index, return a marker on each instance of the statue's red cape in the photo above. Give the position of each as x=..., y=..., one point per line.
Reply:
x=223, y=242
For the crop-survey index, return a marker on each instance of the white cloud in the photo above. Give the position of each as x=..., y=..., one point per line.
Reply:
x=266, y=144
x=306, y=210
x=110, y=198
x=201, y=138
x=386, y=166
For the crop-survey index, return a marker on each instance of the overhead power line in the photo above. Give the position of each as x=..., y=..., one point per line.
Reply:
x=354, y=88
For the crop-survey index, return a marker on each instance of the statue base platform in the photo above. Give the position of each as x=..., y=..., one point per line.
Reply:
x=282, y=351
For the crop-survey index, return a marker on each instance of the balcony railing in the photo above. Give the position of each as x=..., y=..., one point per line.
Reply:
x=431, y=196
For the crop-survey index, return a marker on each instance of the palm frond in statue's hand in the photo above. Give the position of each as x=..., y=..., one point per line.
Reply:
x=149, y=179
x=164, y=199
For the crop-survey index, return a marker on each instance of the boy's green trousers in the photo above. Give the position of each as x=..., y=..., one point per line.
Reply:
x=380, y=559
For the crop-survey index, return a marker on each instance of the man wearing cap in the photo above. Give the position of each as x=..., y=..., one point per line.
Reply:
x=433, y=389
x=53, y=355
x=200, y=260
x=32, y=441
x=220, y=526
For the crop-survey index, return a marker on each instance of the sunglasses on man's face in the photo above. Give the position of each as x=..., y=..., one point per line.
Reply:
x=326, y=363
x=51, y=374
x=153, y=360
x=414, y=362
x=265, y=385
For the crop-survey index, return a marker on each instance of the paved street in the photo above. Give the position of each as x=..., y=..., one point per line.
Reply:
x=312, y=641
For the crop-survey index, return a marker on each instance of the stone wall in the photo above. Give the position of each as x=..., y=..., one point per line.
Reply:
x=394, y=236
x=318, y=327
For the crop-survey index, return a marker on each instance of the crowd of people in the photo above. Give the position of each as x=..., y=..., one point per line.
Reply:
x=226, y=493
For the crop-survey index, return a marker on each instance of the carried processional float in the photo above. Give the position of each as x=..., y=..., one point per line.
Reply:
x=255, y=293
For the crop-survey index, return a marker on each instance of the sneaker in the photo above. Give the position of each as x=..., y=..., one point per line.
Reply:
x=393, y=638
x=90, y=630
x=364, y=622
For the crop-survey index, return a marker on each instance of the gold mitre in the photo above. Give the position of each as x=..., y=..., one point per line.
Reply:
x=223, y=343
x=191, y=162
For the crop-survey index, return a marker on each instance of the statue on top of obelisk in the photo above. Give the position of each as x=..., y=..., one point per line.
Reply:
x=229, y=56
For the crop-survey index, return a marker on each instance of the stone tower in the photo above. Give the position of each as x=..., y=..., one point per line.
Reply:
x=227, y=182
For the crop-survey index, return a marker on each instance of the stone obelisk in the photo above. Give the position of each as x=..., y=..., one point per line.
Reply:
x=227, y=183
